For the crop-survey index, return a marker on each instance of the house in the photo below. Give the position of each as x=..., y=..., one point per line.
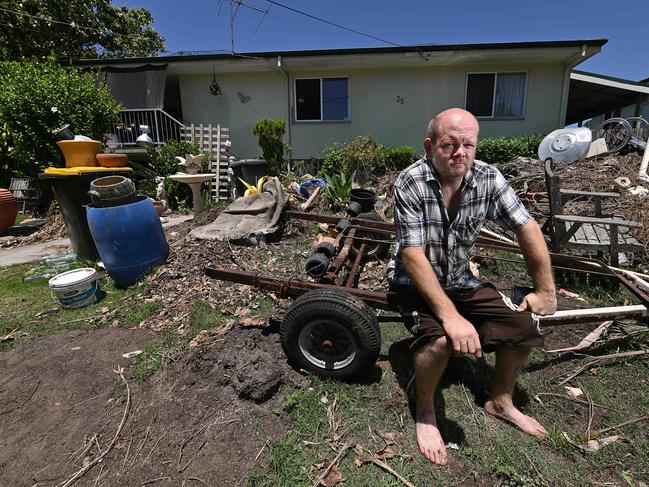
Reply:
x=335, y=95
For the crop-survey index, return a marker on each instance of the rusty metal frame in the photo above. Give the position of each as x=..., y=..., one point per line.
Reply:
x=292, y=288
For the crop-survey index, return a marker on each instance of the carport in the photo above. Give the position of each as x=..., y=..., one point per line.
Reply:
x=599, y=97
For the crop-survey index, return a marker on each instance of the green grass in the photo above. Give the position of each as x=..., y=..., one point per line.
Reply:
x=30, y=308
x=490, y=451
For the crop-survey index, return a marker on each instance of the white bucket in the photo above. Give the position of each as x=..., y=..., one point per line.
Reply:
x=76, y=288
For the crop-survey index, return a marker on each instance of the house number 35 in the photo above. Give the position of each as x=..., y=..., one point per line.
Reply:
x=400, y=99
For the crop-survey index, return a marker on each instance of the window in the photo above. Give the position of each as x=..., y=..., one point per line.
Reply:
x=321, y=99
x=500, y=95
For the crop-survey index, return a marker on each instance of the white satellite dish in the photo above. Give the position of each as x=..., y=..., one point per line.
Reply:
x=566, y=145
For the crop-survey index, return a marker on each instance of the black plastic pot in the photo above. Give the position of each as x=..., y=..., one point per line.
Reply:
x=366, y=198
x=250, y=170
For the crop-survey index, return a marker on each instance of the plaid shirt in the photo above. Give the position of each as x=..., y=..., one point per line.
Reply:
x=422, y=220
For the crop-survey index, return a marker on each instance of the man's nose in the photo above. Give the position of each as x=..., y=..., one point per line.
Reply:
x=459, y=152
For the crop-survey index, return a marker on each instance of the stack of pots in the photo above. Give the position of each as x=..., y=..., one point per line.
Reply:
x=126, y=230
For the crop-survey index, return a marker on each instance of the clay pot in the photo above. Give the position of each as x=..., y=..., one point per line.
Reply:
x=112, y=191
x=79, y=153
x=158, y=205
x=112, y=160
x=8, y=210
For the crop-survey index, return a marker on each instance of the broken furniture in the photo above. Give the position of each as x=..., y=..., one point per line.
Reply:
x=332, y=329
x=22, y=191
x=597, y=233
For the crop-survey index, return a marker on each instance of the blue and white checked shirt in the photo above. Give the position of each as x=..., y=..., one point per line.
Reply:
x=421, y=219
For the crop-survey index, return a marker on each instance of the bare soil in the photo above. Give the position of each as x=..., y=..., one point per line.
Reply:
x=203, y=421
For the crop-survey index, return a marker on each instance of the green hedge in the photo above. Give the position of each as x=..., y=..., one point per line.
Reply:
x=504, y=149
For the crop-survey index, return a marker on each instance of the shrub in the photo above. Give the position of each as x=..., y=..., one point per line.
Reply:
x=37, y=97
x=401, y=157
x=504, y=149
x=270, y=134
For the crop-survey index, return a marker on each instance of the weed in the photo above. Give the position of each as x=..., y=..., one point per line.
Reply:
x=282, y=468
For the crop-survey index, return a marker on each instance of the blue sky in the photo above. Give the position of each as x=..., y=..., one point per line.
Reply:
x=198, y=25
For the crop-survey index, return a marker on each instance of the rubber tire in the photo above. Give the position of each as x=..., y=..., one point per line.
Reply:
x=345, y=310
x=354, y=208
x=317, y=265
x=376, y=250
x=342, y=225
x=326, y=248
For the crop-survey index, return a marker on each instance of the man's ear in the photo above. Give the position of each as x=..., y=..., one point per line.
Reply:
x=428, y=147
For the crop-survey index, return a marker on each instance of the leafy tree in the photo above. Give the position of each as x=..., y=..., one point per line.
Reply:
x=270, y=133
x=75, y=29
x=37, y=97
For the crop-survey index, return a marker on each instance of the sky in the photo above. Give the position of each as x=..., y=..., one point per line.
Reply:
x=199, y=25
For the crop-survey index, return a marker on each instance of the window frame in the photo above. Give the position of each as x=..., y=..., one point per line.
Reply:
x=321, y=120
x=493, y=95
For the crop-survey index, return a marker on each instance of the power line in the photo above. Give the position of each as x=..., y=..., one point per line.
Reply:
x=333, y=23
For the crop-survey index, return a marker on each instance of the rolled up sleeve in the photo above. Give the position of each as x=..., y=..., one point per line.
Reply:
x=408, y=217
x=506, y=208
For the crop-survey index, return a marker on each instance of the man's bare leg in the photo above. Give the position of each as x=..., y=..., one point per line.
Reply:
x=430, y=362
x=509, y=362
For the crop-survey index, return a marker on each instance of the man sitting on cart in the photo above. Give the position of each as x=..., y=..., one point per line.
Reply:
x=440, y=205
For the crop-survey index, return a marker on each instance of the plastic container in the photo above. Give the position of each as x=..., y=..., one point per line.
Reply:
x=129, y=238
x=76, y=288
x=79, y=153
x=365, y=197
x=112, y=191
x=250, y=170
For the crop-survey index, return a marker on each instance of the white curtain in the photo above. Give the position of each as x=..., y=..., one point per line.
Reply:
x=510, y=94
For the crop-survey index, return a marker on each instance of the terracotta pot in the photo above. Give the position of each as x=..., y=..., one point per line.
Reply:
x=158, y=205
x=112, y=160
x=79, y=153
x=8, y=210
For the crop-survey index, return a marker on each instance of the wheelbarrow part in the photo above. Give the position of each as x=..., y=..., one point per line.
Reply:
x=354, y=208
x=331, y=333
x=326, y=248
x=317, y=265
x=376, y=250
x=342, y=225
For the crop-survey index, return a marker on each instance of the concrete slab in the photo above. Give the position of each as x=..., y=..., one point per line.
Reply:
x=31, y=253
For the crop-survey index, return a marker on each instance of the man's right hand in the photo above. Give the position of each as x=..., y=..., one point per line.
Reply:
x=463, y=336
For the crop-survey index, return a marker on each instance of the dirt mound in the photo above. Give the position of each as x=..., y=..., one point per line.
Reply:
x=203, y=421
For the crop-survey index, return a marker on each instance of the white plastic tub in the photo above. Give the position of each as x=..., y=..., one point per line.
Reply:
x=76, y=288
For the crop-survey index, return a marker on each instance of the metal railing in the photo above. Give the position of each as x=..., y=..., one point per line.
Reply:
x=162, y=127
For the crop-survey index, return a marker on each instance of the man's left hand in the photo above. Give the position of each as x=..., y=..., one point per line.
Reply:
x=539, y=302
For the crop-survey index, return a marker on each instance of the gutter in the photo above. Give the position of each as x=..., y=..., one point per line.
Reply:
x=281, y=69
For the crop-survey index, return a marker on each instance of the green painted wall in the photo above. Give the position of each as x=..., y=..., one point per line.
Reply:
x=394, y=105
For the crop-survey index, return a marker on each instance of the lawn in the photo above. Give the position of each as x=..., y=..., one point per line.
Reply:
x=374, y=418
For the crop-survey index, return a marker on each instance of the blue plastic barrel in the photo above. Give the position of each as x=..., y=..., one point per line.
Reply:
x=129, y=238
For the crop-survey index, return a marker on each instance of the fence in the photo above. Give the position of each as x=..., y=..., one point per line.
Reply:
x=212, y=140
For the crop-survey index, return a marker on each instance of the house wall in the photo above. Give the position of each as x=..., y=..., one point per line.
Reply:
x=376, y=105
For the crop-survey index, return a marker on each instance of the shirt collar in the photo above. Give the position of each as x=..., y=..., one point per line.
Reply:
x=430, y=174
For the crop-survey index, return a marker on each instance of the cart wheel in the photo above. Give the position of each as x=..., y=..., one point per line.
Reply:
x=616, y=132
x=326, y=248
x=639, y=127
x=331, y=333
x=317, y=265
x=342, y=225
x=377, y=250
x=354, y=208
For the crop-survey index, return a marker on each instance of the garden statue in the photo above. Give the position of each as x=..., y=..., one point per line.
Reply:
x=192, y=164
x=161, y=193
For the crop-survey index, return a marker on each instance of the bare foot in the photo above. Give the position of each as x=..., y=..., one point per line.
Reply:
x=511, y=414
x=430, y=440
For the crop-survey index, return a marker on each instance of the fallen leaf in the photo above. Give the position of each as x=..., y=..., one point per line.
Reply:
x=384, y=453
x=574, y=392
x=324, y=400
x=86, y=461
x=358, y=462
x=104, y=309
x=453, y=446
x=253, y=321
x=334, y=476
x=594, y=445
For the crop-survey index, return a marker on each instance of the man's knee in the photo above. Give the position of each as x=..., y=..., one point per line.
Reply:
x=438, y=347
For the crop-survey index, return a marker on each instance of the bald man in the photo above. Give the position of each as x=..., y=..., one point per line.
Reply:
x=440, y=204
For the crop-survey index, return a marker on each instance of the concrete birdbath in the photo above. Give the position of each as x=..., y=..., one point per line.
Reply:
x=192, y=178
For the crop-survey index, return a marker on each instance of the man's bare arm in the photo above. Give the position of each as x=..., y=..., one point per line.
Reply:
x=543, y=300
x=461, y=333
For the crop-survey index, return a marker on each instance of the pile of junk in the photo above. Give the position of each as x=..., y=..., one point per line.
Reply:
x=105, y=219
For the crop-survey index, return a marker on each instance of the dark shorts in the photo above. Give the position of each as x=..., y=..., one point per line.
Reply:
x=492, y=314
